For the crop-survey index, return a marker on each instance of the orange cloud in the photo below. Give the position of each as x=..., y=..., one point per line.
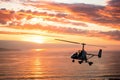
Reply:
x=114, y=35
x=5, y=16
x=24, y=17
x=96, y=14
x=102, y=15
x=25, y=33
x=65, y=18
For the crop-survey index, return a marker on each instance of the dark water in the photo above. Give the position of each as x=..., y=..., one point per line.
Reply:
x=44, y=65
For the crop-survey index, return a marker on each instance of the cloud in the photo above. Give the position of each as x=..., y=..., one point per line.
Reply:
x=110, y=35
x=102, y=15
x=63, y=18
x=5, y=16
x=111, y=14
x=23, y=17
x=26, y=33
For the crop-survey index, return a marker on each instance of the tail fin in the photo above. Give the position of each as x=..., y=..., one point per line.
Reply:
x=100, y=53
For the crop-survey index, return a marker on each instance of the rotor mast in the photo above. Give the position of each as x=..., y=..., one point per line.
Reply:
x=83, y=44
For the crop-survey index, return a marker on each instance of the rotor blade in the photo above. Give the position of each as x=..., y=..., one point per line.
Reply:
x=68, y=41
x=96, y=45
x=79, y=43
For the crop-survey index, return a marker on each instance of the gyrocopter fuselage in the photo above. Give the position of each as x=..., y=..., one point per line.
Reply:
x=82, y=55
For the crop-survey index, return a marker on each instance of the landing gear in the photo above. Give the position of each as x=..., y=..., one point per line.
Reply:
x=73, y=60
x=80, y=62
x=90, y=63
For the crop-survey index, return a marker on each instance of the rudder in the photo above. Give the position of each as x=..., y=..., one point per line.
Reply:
x=100, y=53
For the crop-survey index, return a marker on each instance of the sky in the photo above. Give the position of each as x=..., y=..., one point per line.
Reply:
x=41, y=21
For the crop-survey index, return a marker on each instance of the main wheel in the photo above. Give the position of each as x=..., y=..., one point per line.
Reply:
x=80, y=62
x=90, y=63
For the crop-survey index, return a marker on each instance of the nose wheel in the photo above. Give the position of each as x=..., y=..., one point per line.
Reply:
x=73, y=60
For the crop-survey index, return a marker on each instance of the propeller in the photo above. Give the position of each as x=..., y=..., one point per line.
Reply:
x=78, y=43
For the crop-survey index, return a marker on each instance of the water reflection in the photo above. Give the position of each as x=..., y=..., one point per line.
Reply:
x=34, y=66
x=55, y=66
x=38, y=49
x=37, y=67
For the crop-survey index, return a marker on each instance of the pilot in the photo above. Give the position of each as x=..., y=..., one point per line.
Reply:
x=79, y=53
x=75, y=55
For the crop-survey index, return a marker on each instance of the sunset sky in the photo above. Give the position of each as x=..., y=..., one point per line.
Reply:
x=41, y=21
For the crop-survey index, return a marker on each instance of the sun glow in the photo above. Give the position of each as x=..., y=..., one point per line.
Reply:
x=35, y=21
x=36, y=39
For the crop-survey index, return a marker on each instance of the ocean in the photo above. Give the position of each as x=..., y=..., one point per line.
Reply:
x=57, y=65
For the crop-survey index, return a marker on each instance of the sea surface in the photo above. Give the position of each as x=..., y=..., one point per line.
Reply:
x=57, y=65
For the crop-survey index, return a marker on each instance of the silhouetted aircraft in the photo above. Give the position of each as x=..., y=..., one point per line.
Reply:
x=82, y=55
